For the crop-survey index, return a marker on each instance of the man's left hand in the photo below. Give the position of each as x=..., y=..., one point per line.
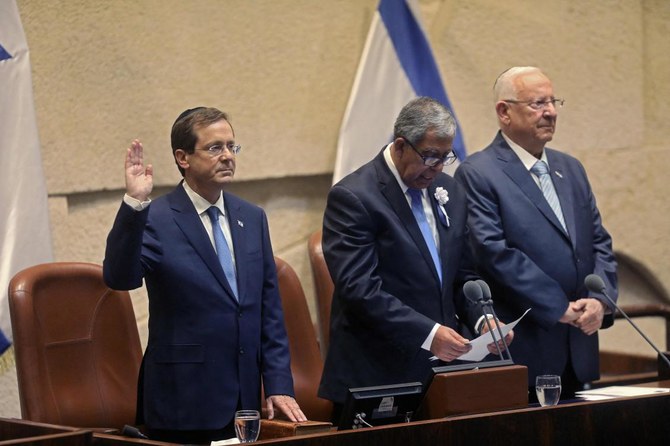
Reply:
x=503, y=345
x=285, y=404
x=591, y=319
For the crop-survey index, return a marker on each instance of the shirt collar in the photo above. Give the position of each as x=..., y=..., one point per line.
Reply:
x=394, y=170
x=201, y=205
x=526, y=158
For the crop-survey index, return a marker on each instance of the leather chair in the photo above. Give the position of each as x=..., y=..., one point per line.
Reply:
x=77, y=347
x=306, y=363
x=323, y=285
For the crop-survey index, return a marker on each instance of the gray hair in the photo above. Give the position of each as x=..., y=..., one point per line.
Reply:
x=504, y=88
x=423, y=115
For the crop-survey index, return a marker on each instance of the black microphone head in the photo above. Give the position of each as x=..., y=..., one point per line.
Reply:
x=486, y=291
x=594, y=283
x=132, y=432
x=472, y=291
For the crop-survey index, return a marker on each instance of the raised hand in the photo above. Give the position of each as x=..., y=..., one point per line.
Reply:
x=139, y=179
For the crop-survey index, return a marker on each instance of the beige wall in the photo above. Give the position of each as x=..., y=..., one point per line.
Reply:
x=106, y=72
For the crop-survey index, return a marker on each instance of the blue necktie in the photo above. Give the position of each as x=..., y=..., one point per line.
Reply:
x=420, y=216
x=222, y=249
x=541, y=170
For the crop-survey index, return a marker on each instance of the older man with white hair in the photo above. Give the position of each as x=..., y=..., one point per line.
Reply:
x=537, y=233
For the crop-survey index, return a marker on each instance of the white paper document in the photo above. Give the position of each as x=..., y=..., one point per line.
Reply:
x=225, y=442
x=618, y=392
x=479, y=344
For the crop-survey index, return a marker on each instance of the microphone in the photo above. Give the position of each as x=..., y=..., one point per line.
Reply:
x=487, y=301
x=472, y=291
x=596, y=285
x=132, y=432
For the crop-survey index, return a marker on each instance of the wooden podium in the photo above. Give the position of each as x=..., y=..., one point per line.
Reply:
x=476, y=390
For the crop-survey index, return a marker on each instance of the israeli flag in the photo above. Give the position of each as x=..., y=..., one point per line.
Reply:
x=396, y=66
x=25, y=239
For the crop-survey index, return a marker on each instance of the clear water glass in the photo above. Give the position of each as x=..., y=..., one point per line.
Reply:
x=247, y=425
x=548, y=389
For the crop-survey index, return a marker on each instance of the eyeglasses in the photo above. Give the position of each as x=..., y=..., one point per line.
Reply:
x=433, y=161
x=217, y=149
x=538, y=105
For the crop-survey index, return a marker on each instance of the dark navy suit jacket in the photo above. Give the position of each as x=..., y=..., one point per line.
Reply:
x=387, y=294
x=205, y=350
x=528, y=259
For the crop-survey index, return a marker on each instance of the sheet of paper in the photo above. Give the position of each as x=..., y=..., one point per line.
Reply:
x=479, y=344
x=618, y=391
x=225, y=442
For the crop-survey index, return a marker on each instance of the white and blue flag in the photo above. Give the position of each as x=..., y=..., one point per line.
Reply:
x=396, y=66
x=25, y=239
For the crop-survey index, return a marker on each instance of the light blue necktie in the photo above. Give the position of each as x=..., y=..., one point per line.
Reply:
x=420, y=216
x=541, y=169
x=222, y=249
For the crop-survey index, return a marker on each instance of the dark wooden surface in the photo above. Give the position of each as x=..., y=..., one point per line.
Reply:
x=476, y=391
x=621, y=421
x=29, y=433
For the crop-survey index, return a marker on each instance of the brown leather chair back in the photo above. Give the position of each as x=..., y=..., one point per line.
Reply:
x=323, y=286
x=306, y=364
x=77, y=346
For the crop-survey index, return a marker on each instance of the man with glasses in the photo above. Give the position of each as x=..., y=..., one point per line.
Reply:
x=216, y=327
x=537, y=234
x=394, y=239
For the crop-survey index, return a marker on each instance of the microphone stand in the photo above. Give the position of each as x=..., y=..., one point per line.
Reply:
x=665, y=359
x=489, y=303
x=595, y=284
x=488, y=324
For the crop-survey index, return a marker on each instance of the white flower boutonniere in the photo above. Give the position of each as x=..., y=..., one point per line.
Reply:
x=442, y=196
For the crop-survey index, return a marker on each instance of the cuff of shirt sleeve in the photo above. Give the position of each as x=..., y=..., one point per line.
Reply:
x=429, y=340
x=135, y=203
x=480, y=323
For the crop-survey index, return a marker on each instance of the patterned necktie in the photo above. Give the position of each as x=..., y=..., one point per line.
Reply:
x=420, y=216
x=222, y=249
x=541, y=169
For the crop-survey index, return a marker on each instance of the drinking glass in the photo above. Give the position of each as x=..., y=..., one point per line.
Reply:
x=548, y=389
x=247, y=425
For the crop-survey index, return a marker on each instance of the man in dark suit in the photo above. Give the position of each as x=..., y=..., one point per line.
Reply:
x=216, y=326
x=536, y=236
x=398, y=276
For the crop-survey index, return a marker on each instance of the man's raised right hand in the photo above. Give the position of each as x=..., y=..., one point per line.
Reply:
x=139, y=179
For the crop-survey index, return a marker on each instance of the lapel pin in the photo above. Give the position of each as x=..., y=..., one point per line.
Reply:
x=240, y=224
x=558, y=174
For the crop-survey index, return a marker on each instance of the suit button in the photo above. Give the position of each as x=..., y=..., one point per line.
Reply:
x=239, y=314
x=241, y=351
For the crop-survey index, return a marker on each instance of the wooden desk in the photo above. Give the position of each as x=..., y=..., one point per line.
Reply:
x=622, y=421
x=24, y=433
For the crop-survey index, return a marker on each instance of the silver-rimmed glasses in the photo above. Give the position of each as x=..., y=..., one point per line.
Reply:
x=217, y=149
x=539, y=105
x=430, y=160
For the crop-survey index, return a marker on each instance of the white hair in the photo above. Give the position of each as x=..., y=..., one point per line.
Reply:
x=504, y=86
